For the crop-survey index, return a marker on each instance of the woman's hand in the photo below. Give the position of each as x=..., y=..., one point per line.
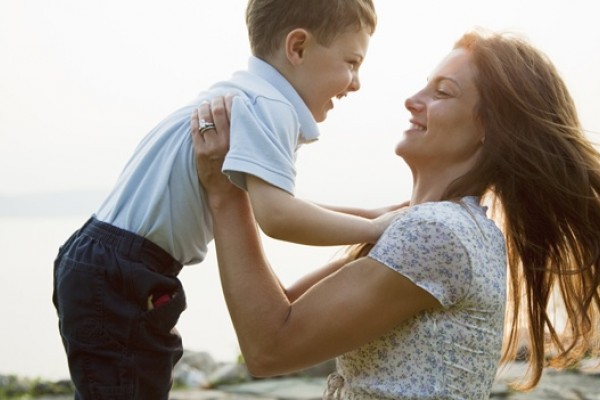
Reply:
x=211, y=146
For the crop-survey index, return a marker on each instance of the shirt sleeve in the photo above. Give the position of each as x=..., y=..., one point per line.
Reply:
x=428, y=253
x=264, y=138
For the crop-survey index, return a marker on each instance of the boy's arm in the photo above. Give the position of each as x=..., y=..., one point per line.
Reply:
x=366, y=212
x=285, y=217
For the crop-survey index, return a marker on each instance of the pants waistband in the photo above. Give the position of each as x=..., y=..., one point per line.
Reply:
x=132, y=245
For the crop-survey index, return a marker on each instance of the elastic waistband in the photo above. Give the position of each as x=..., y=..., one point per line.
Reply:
x=132, y=245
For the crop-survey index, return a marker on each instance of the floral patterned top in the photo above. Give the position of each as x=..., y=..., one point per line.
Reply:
x=453, y=251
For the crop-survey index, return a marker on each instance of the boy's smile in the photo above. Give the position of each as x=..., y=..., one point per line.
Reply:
x=328, y=72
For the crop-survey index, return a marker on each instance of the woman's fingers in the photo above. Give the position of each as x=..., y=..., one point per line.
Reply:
x=219, y=115
x=210, y=128
x=229, y=104
x=194, y=124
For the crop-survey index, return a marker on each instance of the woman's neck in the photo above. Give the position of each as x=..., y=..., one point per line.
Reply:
x=431, y=180
x=431, y=186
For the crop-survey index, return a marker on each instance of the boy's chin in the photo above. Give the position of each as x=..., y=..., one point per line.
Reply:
x=321, y=116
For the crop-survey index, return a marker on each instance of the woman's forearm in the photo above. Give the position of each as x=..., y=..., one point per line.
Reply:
x=254, y=296
x=256, y=301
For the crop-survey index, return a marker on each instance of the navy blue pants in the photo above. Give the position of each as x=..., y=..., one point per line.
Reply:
x=117, y=345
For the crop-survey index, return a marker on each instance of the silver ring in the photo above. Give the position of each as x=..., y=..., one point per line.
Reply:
x=205, y=126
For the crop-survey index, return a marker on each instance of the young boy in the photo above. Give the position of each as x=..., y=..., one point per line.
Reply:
x=115, y=282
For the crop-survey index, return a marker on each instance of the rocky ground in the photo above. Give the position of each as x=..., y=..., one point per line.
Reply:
x=199, y=377
x=564, y=385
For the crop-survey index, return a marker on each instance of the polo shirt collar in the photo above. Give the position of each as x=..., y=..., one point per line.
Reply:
x=308, y=126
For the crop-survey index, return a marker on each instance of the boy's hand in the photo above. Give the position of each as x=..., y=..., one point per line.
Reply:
x=384, y=220
x=378, y=212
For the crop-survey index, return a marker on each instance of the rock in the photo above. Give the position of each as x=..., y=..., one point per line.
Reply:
x=199, y=360
x=193, y=369
x=12, y=386
x=228, y=374
x=199, y=377
x=200, y=370
x=185, y=375
x=590, y=366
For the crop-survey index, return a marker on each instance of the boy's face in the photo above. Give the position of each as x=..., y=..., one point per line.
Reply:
x=330, y=72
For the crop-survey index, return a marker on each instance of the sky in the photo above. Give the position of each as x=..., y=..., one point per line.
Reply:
x=81, y=82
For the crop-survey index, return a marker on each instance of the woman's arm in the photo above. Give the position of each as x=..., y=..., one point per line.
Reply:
x=300, y=287
x=352, y=306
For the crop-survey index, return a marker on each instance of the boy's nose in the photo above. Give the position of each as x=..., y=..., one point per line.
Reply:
x=355, y=84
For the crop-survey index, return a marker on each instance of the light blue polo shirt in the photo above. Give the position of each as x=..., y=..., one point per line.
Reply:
x=158, y=196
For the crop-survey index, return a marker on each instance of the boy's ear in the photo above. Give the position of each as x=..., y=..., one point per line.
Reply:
x=295, y=45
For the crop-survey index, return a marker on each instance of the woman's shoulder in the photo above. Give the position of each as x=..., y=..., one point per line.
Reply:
x=437, y=221
x=463, y=218
x=442, y=212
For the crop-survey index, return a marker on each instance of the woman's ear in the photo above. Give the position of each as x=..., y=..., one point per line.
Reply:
x=295, y=45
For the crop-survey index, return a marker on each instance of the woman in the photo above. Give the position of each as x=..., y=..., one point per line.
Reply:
x=422, y=315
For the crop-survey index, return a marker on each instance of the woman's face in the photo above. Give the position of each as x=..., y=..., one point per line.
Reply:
x=443, y=132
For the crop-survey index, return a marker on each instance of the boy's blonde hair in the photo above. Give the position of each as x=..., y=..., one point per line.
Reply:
x=269, y=21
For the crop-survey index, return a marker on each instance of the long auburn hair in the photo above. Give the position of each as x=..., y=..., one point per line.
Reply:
x=542, y=176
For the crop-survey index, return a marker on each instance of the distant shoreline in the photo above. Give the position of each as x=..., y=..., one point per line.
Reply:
x=59, y=204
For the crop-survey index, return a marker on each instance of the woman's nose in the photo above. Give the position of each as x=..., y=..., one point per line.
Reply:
x=413, y=104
